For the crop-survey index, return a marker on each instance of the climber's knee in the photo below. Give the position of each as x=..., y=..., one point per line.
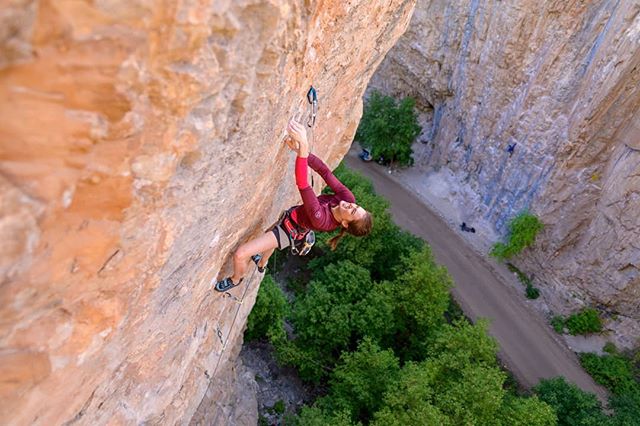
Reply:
x=241, y=254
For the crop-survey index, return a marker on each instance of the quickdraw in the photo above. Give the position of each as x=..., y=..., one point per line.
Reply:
x=312, y=98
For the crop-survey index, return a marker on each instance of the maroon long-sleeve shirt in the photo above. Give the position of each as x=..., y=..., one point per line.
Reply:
x=315, y=211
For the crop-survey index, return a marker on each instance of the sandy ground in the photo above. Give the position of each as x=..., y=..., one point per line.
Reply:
x=529, y=347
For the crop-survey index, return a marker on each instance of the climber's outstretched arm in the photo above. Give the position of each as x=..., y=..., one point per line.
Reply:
x=336, y=186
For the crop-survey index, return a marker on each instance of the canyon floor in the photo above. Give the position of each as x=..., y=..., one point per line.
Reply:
x=529, y=348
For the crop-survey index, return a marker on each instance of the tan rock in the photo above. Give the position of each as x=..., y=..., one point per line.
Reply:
x=141, y=143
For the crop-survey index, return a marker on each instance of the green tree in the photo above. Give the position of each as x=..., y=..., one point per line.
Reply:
x=389, y=128
x=323, y=316
x=314, y=416
x=614, y=371
x=421, y=299
x=459, y=382
x=373, y=316
x=526, y=412
x=410, y=400
x=268, y=313
x=573, y=406
x=361, y=379
x=627, y=408
x=522, y=233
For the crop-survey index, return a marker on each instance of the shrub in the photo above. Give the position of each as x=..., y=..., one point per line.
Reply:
x=615, y=372
x=279, y=407
x=267, y=317
x=388, y=128
x=531, y=292
x=584, y=322
x=522, y=233
x=627, y=408
x=557, y=322
x=609, y=348
x=572, y=405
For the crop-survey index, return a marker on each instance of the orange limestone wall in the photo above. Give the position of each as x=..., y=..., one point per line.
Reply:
x=140, y=143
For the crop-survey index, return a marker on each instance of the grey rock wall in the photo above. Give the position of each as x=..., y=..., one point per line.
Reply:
x=560, y=80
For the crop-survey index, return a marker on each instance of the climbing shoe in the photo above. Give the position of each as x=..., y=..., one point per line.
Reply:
x=226, y=284
x=256, y=259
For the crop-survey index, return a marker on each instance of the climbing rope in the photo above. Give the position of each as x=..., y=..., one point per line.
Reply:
x=219, y=331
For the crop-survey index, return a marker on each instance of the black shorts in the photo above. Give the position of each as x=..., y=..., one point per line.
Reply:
x=281, y=236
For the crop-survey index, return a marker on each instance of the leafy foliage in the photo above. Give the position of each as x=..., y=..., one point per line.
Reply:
x=459, y=383
x=361, y=378
x=615, y=372
x=532, y=292
x=583, y=322
x=522, y=233
x=376, y=326
x=627, y=408
x=558, y=324
x=389, y=128
x=315, y=416
x=527, y=412
x=573, y=406
x=421, y=299
x=322, y=317
x=267, y=317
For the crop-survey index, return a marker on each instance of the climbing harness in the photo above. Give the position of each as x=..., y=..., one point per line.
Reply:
x=303, y=246
x=300, y=239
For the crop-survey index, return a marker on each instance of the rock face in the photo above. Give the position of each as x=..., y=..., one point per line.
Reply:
x=141, y=142
x=561, y=81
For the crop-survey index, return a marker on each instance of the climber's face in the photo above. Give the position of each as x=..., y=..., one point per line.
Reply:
x=350, y=211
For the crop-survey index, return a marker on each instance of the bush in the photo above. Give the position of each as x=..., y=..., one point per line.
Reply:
x=522, y=233
x=267, y=317
x=572, y=405
x=531, y=292
x=584, y=322
x=615, y=372
x=388, y=129
x=627, y=408
x=557, y=322
x=279, y=407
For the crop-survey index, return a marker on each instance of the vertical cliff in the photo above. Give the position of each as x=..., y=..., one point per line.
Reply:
x=140, y=144
x=560, y=80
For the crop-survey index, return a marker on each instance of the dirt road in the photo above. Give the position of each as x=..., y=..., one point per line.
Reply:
x=528, y=346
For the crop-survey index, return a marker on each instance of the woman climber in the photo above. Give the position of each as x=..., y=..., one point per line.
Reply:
x=324, y=213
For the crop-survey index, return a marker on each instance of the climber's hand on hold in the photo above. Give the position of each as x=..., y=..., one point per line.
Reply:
x=293, y=145
x=298, y=133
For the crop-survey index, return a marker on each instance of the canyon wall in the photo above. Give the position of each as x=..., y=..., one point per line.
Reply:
x=140, y=143
x=561, y=81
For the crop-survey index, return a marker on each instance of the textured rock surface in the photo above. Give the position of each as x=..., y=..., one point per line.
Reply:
x=561, y=80
x=140, y=144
